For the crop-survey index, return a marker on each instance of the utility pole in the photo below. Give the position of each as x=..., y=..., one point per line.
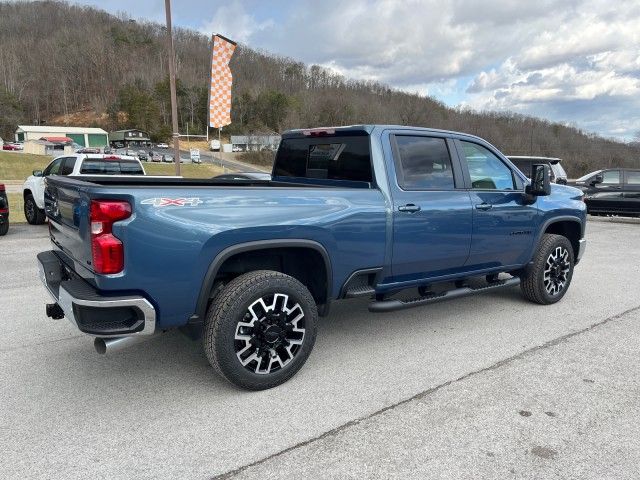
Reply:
x=172, y=88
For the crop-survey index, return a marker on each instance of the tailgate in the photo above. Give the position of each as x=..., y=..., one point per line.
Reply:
x=67, y=203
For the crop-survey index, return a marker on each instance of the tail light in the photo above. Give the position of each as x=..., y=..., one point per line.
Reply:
x=106, y=249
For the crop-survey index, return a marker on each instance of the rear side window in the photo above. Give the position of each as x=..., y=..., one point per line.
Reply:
x=97, y=166
x=331, y=158
x=424, y=163
x=67, y=166
x=633, y=178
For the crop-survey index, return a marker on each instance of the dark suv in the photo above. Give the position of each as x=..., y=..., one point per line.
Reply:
x=613, y=191
x=558, y=175
x=4, y=211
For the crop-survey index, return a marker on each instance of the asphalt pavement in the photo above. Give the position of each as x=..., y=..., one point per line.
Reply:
x=482, y=387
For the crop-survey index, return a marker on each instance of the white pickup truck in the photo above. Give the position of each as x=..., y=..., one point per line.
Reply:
x=73, y=165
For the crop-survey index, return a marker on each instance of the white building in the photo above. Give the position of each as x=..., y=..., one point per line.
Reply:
x=83, y=136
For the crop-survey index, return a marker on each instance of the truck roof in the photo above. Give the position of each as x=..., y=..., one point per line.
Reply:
x=367, y=129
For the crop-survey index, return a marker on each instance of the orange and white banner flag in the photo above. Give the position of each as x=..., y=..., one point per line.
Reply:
x=221, y=80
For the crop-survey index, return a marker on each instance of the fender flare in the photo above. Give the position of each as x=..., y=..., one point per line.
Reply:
x=207, y=284
x=551, y=221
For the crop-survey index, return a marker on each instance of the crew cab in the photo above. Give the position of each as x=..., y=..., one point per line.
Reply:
x=612, y=191
x=73, y=165
x=405, y=216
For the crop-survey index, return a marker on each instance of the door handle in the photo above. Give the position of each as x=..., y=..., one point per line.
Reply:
x=484, y=206
x=409, y=208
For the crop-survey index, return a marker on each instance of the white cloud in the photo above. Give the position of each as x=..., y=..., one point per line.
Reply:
x=568, y=60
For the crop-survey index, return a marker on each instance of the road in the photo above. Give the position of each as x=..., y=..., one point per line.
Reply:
x=482, y=387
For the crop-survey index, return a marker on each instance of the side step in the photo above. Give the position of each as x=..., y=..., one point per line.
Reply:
x=359, y=291
x=391, y=305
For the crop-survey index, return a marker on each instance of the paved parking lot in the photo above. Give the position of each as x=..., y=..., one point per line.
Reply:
x=483, y=387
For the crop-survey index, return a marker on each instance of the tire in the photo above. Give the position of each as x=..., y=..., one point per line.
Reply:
x=547, y=280
x=32, y=213
x=4, y=228
x=274, y=342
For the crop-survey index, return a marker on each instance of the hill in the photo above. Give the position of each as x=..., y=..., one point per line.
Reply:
x=61, y=62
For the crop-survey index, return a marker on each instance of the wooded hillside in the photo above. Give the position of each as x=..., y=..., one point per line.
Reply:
x=57, y=60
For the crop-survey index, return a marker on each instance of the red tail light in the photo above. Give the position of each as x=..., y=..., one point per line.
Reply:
x=107, y=250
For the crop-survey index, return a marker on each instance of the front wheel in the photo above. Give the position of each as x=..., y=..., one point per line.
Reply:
x=32, y=213
x=548, y=278
x=260, y=329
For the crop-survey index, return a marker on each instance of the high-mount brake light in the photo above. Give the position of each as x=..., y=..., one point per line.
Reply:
x=111, y=157
x=318, y=132
x=106, y=249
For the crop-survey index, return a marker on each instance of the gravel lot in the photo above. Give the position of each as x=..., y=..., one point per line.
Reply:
x=483, y=387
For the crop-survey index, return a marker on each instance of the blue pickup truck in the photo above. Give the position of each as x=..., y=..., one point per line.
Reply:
x=405, y=216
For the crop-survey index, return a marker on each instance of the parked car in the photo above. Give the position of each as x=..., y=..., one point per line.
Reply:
x=214, y=145
x=194, y=155
x=13, y=146
x=613, y=191
x=558, y=175
x=4, y=211
x=251, y=268
x=167, y=158
x=156, y=157
x=107, y=150
x=236, y=148
x=142, y=156
x=88, y=150
x=244, y=176
x=72, y=165
x=162, y=145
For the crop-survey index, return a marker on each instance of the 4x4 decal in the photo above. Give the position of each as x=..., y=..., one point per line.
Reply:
x=172, y=202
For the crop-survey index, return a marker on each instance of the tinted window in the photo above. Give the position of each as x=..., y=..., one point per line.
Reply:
x=332, y=158
x=424, y=163
x=53, y=168
x=523, y=165
x=611, y=177
x=633, y=178
x=486, y=170
x=67, y=166
x=110, y=167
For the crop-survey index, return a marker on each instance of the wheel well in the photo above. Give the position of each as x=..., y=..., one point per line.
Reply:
x=307, y=265
x=568, y=229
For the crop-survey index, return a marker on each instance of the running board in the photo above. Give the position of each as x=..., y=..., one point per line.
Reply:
x=392, y=305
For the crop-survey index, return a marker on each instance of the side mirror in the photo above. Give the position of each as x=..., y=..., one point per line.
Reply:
x=597, y=179
x=540, y=181
x=37, y=173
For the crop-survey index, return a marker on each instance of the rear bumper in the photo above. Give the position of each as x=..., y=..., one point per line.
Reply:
x=90, y=311
x=582, y=245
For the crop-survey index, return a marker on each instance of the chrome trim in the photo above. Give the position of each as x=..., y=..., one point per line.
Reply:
x=582, y=245
x=66, y=301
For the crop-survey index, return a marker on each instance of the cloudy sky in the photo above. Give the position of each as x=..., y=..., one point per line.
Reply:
x=573, y=61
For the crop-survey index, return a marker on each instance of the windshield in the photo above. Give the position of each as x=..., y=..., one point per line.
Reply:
x=584, y=177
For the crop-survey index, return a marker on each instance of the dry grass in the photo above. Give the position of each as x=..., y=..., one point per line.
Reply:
x=187, y=170
x=18, y=165
x=16, y=208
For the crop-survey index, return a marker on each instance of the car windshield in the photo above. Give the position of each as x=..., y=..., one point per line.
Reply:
x=584, y=177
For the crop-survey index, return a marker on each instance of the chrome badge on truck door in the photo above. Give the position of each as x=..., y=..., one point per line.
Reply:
x=172, y=202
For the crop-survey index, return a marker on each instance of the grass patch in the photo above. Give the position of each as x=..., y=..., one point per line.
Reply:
x=16, y=208
x=18, y=166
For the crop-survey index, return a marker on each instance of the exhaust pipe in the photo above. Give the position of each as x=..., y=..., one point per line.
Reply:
x=110, y=345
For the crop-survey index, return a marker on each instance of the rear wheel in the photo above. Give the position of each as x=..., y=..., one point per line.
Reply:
x=548, y=278
x=260, y=329
x=32, y=213
x=4, y=228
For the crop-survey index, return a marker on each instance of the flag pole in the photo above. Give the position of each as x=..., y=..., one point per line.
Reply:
x=172, y=88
